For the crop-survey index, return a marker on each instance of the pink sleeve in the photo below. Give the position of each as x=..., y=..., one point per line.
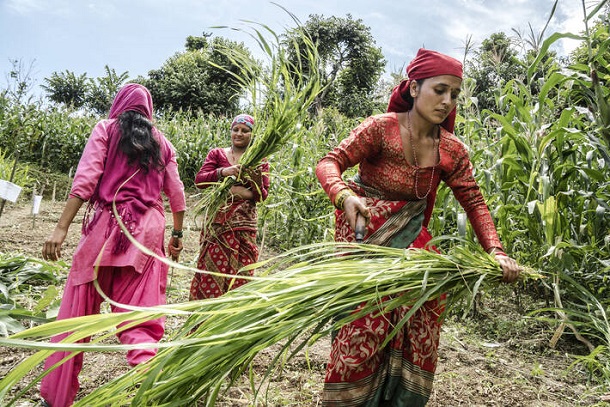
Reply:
x=91, y=164
x=172, y=184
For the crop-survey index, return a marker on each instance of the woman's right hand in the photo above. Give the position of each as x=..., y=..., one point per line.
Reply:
x=51, y=249
x=175, y=247
x=353, y=206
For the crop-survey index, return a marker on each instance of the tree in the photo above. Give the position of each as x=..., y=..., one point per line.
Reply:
x=67, y=88
x=351, y=64
x=103, y=89
x=197, y=43
x=495, y=63
x=199, y=78
x=95, y=94
x=19, y=81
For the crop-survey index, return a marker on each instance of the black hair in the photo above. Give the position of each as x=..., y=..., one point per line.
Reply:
x=137, y=141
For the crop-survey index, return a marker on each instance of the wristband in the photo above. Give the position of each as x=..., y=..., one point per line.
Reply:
x=342, y=196
x=177, y=233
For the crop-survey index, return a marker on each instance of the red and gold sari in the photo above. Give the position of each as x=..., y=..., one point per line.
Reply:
x=231, y=242
x=360, y=372
x=229, y=246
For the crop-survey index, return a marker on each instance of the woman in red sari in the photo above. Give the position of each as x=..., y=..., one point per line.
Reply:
x=231, y=244
x=403, y=155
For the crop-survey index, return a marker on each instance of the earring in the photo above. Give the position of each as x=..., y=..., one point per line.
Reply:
x=413, y=92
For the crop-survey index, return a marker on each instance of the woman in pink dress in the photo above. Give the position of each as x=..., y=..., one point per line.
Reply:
x=403, y=155
x=231, y=242
x=130, y=163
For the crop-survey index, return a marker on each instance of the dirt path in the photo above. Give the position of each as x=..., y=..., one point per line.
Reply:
x=509, y=365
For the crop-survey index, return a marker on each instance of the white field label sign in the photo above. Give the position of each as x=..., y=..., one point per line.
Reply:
x=9, y=191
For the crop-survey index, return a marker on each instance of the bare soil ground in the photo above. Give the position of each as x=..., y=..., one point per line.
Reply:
x=497, y=358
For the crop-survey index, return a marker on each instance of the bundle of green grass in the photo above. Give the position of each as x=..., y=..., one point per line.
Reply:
x=280, y=97
x=294, y=300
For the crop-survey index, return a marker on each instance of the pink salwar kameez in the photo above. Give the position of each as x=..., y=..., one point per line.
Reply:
x=124, y=273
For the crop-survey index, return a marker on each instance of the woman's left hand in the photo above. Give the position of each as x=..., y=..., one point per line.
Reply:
x=241, y=192
x=254, y=174
x=510, y=268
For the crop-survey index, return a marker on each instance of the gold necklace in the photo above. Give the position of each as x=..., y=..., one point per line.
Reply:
x=417, y=163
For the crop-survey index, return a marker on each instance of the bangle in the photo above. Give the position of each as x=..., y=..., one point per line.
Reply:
x=342, y=196
x=219, y=174
x=177, y=233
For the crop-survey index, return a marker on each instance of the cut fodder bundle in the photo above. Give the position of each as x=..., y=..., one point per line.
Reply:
x=299, y=297
x=280, y=91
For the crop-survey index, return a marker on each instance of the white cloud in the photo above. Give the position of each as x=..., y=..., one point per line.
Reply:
x=23, y=7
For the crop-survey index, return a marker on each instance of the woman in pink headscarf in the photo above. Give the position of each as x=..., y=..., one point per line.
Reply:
x=403, y=155
x=129, y=163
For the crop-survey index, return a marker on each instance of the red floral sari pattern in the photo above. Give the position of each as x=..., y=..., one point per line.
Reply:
x=360, y=371
x=230, y=246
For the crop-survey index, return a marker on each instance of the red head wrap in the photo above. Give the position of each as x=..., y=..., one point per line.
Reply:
x=426, y=64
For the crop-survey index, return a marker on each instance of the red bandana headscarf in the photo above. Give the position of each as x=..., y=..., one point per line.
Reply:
x=426, y=64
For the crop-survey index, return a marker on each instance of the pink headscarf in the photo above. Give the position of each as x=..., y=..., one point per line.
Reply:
x=426, y=64
x=132, y=96
x=143, y=189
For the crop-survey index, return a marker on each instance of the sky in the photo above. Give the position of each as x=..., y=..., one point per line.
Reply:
x=136, y=36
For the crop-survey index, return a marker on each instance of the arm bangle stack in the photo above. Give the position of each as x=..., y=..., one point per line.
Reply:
x=177, y=233
x=342, y=196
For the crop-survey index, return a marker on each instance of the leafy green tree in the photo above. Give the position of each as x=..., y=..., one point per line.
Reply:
x=67, y=88
x=495, y=64
x=198, y=79
x=103, y=89
x=197, y=43
x=81, y=91
x=351, y=64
